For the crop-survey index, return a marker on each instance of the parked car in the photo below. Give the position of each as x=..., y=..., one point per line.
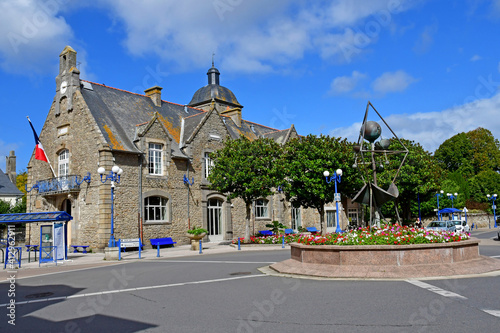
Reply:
x=461, y=226
x=441, y=226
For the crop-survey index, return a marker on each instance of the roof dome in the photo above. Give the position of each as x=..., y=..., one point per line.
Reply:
x=213, y=90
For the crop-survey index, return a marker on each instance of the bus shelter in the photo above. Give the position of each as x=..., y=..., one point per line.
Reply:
x=53, y=234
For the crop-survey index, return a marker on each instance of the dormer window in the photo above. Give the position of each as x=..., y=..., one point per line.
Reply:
x=155, y=159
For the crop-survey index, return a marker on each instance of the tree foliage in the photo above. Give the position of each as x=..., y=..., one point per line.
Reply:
x=470, y=153
x=245, y=169
x=302, y=165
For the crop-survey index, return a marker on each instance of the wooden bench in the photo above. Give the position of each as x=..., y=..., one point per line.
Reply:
x=75, y=248
x=162, y=241
x=266, y=232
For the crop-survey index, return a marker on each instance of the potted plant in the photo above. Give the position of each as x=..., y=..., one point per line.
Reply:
x=195, y=234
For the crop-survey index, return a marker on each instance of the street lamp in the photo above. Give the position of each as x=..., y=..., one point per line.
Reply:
x=493, y=198
x=336, y=178
x=439, y=194
x=452, y=197
x=114, y=177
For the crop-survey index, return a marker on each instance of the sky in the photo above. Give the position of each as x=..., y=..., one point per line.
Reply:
x=430, y=68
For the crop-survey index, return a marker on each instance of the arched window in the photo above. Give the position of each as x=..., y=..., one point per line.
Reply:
x=155, y=209
x=63, y=163
x=261, y=208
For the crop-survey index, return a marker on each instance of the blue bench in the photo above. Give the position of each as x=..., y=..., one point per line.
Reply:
x=266, y=232
x=312, y=230
x=162, y=241
x=75, y=248
x=289, y=231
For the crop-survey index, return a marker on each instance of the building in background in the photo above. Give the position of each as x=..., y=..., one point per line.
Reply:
x=157, y=144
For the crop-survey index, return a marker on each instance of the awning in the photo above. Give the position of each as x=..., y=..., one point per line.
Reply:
x=450, y=210
x=35, y=217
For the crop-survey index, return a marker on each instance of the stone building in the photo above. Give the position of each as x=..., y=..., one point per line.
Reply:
x=158, y=145
x=8, y=190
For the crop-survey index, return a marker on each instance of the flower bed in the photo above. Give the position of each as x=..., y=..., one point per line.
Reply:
x=392, y=235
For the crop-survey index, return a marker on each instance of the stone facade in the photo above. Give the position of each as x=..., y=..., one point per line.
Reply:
x=90, y=126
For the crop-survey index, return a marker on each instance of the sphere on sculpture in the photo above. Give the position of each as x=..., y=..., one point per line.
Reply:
x=372, y=130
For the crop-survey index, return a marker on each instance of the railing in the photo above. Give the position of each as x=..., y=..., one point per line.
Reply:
x=60, y=184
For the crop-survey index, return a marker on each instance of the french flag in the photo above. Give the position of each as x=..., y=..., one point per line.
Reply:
x=39, y=152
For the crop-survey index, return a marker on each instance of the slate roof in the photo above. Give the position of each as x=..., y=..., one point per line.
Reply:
x=121, y=114
x=7, y=188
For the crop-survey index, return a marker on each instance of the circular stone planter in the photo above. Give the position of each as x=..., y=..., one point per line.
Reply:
x=195, y=240
x=387, y=261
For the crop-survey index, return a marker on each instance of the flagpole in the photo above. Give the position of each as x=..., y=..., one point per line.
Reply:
x=36, y=137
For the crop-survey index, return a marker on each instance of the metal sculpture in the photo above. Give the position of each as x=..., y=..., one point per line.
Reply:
x=369, y=151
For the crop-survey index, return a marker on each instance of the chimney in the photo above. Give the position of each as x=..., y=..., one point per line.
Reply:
x=235, y=115
x=155, y=94
x=10, y=164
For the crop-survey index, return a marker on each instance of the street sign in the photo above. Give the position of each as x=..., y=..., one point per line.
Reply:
x=337, y=197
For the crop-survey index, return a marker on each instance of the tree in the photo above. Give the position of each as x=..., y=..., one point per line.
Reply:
x=302, y=165
x=245, y=169
x=470, y=153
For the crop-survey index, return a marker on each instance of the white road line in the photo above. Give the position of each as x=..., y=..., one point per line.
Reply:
x=495, y=313
x=132, y=289
x=435, y=289
x=494, y=256
x=217, y=261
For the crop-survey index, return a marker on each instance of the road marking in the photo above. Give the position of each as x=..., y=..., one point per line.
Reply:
x=105, y=292
x=495, y=313
x=218, y=261
x=494, y=256
x=435, y=289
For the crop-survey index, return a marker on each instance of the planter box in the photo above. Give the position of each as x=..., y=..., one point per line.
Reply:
x=386, y=255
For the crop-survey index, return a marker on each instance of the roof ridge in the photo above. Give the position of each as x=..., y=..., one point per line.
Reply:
x=130, y=92
x=248, y=121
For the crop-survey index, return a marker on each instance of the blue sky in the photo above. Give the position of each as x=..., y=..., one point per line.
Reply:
x=431, y=68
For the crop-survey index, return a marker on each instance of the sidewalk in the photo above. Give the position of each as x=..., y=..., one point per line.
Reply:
x=81, y=260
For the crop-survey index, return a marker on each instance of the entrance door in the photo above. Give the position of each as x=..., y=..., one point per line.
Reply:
x=331, y=224
x=214, y=223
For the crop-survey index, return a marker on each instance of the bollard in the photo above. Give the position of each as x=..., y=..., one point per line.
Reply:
x=140, y=246
x=283, y=242
x=119, y=250
x=157, y=250
x=239, y=245
x=201, y=248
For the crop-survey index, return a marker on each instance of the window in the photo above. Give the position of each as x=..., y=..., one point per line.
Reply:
x=352, y=214
x=63, y=163
x=330, y=218
x=155, y=159
x=261, y=208
x=155, y=209
x=209, y=163
x=296, y=219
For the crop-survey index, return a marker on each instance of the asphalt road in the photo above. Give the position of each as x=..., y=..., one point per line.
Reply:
x=227, y=293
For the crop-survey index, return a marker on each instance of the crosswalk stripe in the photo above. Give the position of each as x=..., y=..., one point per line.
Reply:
x=435, y=289
x=495, y=313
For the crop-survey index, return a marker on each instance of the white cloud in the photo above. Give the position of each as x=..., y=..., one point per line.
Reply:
x=475, y=57
x=263, y=36
x=31, y=31
x=345, y=84
x=433, y=128
x=392, y=82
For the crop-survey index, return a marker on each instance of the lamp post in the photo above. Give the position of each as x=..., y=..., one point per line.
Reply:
x=439, y=194
x=452, y=197
x=493, y=198
x=114, y=177
x=336, y=178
